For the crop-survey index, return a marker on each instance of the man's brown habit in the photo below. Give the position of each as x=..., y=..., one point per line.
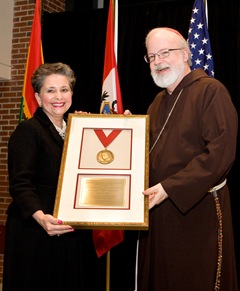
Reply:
x=195, y=152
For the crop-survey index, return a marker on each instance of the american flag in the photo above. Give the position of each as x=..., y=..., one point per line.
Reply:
x=199, y=41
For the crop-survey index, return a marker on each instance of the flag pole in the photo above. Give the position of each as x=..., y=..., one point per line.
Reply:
x=111, y=103
x=21, y=110
x=108, y=253
x=108, y=271
x=206, y=10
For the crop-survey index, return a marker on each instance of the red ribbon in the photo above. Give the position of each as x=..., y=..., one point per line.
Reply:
x=106, y=140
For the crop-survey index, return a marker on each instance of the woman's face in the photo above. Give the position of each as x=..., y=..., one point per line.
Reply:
x=55, y=96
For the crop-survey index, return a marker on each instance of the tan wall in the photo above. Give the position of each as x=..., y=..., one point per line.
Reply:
x=11, y=91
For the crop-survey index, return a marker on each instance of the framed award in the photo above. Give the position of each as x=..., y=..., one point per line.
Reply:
x=104, y=170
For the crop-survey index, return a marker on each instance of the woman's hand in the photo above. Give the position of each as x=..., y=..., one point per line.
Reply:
x=127, y=112
x=81, y=112
x=52, y=225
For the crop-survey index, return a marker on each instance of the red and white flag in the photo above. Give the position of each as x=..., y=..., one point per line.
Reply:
x=111, y=100
x=111, y=103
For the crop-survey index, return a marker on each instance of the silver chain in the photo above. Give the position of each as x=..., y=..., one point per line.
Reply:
x=160, y=133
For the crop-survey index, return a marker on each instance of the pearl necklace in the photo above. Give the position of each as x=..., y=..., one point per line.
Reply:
x=62, y=131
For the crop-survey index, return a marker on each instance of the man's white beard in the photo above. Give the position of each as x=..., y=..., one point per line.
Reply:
x=169, y=78
x=164, y=81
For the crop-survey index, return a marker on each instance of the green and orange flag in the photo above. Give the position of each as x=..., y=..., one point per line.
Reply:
x=34, y=60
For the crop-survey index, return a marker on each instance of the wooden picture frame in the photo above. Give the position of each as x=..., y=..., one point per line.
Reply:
x=104, y=169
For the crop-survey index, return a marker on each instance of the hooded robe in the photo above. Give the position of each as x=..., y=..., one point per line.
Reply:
x=180, y=251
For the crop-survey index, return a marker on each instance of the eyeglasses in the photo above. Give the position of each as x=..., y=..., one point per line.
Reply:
x=162, y=54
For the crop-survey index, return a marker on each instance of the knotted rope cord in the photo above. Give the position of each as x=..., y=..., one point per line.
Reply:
x=220, y=241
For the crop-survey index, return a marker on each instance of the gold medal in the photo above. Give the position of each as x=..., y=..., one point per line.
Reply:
x=105, y=157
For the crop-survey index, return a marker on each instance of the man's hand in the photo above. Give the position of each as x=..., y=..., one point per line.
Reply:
x=156, y=195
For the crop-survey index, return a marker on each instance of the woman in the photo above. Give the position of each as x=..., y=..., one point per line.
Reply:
x=40, y=252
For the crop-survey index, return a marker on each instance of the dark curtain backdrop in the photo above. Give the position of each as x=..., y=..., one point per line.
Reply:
x=78, y=39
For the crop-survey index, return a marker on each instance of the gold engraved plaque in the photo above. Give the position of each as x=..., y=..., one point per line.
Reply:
x=105, y=157
x=102, y=192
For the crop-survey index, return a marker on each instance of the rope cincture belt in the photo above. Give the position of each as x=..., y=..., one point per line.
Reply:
x=220, y=232
x=218, y=187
